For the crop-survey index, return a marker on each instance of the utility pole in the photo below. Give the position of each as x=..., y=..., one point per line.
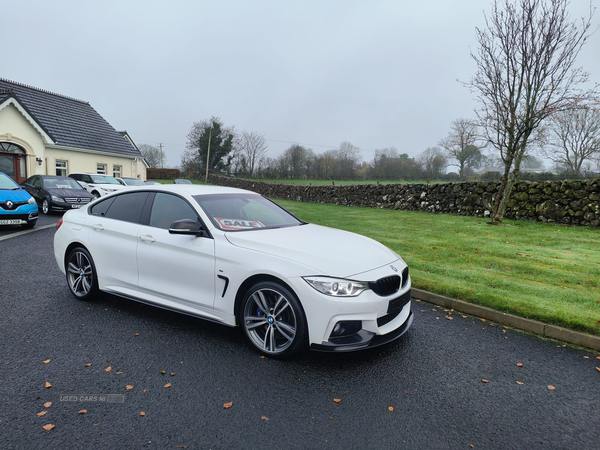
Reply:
x=208, y=154
x=162, y=159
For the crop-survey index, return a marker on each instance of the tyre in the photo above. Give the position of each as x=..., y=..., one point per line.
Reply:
x=273, y=320
x=81, y=274
x=46, y=206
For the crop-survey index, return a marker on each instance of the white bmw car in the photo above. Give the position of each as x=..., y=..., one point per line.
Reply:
x=235, y=257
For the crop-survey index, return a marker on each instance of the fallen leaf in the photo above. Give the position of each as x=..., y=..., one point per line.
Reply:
x=43, y=413
x=262, y=356
x=449, y=317
x=47, y=361
x=162, y=372
x=586, y=357
x=519, y=364
x=168, y=385
x=47, y=385
x=390, y=408
x=108, y=369
x=129, y=387
x=598, y=369
x=484, y=381
x=48, y=427
x=552, y=388
x=172, y=374
x=264, y=418
x=483, y=320
x=464, y=317
x=119, y=373
x=144, y=391
x=88, y=365
x=520, y=383
x=227, y=405
x=597, y=357
x=47, y=404
x=142, y=414
x=337, y=400
x=136, y=334
x=83, y=411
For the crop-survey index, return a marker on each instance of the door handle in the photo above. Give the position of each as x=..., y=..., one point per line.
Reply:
x=147, y=238
x=98, y=227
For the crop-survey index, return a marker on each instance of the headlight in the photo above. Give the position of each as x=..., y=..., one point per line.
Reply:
x=31, y=201
x=337, y=287
x=108, y=189
x=57, y=199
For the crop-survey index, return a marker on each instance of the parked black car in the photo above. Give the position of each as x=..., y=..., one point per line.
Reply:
x=54, y=193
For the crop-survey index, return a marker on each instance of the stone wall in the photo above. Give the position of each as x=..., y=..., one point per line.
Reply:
x=574, y=202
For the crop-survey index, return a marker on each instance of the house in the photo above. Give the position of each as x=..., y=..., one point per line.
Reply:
x=46, y=133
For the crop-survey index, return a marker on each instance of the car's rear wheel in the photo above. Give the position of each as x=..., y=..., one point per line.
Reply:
x=46, y=206
x=81, y=274
x=273, y=320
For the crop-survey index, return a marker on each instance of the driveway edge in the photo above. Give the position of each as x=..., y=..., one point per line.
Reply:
x=533, y=326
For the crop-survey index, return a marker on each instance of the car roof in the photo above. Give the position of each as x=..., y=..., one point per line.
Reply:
x=192, y=189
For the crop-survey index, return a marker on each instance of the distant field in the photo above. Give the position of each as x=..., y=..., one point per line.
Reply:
x=171, y=181
x=540, y=271
x=338, y=182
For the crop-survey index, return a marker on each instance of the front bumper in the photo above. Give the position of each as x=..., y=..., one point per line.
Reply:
x=365, y=339
x=19, y=217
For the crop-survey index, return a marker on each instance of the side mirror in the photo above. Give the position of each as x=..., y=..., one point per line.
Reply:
x=187, y=227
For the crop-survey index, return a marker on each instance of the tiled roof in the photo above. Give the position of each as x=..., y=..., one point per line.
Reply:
x=69, y=122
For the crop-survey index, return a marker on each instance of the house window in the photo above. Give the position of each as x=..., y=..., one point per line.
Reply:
x=101, y=169
x=61, y=168
x=116, y=171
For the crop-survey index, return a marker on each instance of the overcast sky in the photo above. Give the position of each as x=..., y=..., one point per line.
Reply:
x=315, y=72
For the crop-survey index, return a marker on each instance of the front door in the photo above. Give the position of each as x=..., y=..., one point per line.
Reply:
x=13, y=161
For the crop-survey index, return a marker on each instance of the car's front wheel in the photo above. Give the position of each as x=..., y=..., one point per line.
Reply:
x=96, y=194
x=81, y=274
x=273, y=320
x=46, y=206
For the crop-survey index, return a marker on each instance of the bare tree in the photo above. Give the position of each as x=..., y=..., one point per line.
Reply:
x=573, y=137
x=154, y=156
x=349, y=158
x=252, y=146
x=296, y=155
x=525, y=73
x=462, y=145
x=433, y=162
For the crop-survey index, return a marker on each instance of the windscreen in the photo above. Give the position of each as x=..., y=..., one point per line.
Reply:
x=244, y=212
x=104, y=179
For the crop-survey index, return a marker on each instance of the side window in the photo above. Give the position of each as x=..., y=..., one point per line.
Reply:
x=127, y=207
x=99, y=208
x=86, y=178
x=37, y=182
x=168, y=208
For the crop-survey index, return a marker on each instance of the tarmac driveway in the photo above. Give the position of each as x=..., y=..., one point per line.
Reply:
x=451, y=382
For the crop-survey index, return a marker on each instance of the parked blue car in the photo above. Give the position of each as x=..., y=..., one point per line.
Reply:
x=17, y=207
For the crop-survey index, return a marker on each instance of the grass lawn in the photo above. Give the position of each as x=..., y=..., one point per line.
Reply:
x=546, y=272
